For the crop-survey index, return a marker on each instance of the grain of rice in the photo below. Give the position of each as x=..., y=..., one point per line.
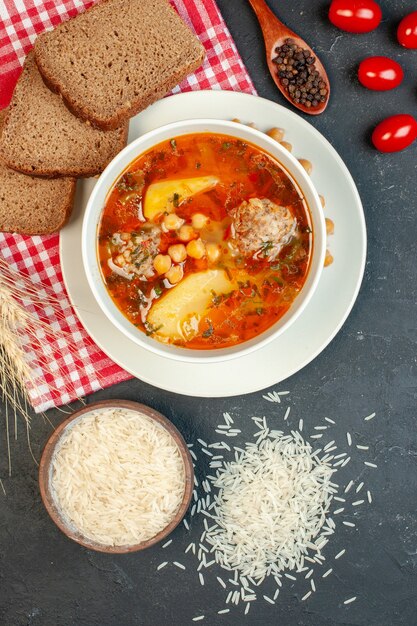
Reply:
x=221, y=581
x=270, y=600
x=350, y=524
x=179, y=565
x=368, y=464
x=320, y=427
x=229, y=597
x=338, y=511
x=307, y=595
x=349, y=439
x=198, y=618
x=184, y=521
x=223, y=611
x=349, y=600
x=313, y=585
x=368, y=493
x=339, y=554
x=362, y=447
x=203, y=443
x=193, y=508
x=329, y=571
x=359, y=487
x=369, y=417
x=167, y=543
x=358, y=502
x=189, y=547
x=206, y=452
x=287, y=413
x=201, y=577
x=316, y=436
x=276, y=594
x=290, y=576
x=329, y=420
x=161, y=565
x=193, y=454
x=247, y=609
x=339, y=499
x=349, y=486
x=228, y=418
x=346, y=461
x=309, y=573
x=300, y=425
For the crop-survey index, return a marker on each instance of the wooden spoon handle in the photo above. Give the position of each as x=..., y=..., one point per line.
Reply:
x=267, y=19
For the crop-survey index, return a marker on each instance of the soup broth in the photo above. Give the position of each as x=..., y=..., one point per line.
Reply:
x=204, y=241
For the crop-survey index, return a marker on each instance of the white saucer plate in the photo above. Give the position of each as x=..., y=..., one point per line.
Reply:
x=323, y=316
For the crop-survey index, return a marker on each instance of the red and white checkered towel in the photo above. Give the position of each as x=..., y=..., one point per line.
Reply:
x=83, y=367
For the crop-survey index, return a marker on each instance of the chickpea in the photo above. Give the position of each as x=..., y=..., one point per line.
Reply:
x=196, y=249
x=175, y=274
x=186, y=233
x=276, y=133
x=173, y=221
x=323, y=201
x=125, y=236
x=199, y=220
x=329, y=226
x=162, y=263
x=286, y=145
x=178, y=253
x=120, y=260
x=307, y=165
x=328, y=259
x=213, y=252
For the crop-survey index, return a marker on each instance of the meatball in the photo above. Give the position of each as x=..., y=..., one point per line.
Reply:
x=261, y=227
x=136, y=252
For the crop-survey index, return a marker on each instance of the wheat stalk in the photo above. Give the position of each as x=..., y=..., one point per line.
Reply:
x=28, y=345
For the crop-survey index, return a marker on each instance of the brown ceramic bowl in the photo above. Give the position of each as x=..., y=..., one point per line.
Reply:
x=45, y=474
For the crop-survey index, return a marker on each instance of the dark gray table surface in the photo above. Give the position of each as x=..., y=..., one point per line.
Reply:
x=46, y=580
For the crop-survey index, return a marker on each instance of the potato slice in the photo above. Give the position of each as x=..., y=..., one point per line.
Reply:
x=162, y=196
x=177, y=314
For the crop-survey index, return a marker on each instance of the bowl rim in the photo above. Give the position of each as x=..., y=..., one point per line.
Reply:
x=184, y=127
x=45, y=466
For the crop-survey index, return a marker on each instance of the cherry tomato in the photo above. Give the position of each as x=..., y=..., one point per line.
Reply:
x=407, y=31
x=395, y=133
x=380, y=73
x=355, y=16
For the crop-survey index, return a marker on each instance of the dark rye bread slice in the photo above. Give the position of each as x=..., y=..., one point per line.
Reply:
x=41, y=136
x=30, y=205
x=117, y=58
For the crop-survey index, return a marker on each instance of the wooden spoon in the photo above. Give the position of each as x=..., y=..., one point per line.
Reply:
x=275, y=32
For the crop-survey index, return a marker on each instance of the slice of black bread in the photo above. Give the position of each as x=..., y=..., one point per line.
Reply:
x=117, y=58
x=41, y=136
x=30, y=205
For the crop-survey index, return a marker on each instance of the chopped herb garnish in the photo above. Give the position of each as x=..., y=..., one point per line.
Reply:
x=266, y=247
x=127, y=182
x=158, y=290
x=260, y=311
x=176, y=199
x=209, y=331
x=226, y=145
x=151, y=329
x=198, y=165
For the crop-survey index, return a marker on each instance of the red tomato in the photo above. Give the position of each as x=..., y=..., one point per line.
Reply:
x=407, y=31
x=380, y=73
x=355, y=16
x=395, y=133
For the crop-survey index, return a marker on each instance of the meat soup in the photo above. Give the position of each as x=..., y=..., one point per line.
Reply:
x=204, y=241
